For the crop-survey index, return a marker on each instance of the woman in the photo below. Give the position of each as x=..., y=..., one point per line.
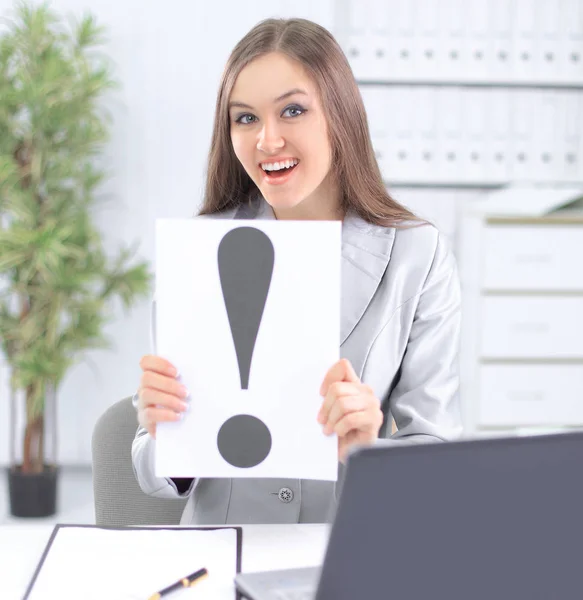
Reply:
x=291, y=141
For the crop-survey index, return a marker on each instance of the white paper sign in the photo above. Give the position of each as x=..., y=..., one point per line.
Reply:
x=249, y=313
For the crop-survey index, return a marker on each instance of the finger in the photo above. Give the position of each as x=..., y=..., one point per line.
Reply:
x=149, y=427
x=149, y=362
x=361, y=420
x=151, y=415
x=344, y=406
x=153, y=398
x=340, y=371
x=336, y=390
x=163, y=383
x=350, y=374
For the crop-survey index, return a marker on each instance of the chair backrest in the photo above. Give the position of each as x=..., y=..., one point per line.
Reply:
x=119, y=500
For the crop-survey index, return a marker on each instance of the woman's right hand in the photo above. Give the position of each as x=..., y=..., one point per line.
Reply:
x=161, y=397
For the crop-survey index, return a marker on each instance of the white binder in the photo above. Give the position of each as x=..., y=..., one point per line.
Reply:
x=426, y=39
x=379, y=119
x=381, y=41
x=452, y=60
x=500, y=40
x=477, y=40
x=356, y=49
x=571, y=29
x=403, y=17
x=571, y=136
x=426, y=134
x=523, y=122
x=545, y=134
x=524, y=43
x=475, y=134
x=396, y=153
x=496, y=155
x=449, y=101
x=550, y=57
x=403, y=115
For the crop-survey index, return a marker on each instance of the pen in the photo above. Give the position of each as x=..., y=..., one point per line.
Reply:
x=187, y=581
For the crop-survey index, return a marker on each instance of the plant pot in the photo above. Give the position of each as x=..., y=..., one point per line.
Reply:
x=33, y=494
x=33, y=472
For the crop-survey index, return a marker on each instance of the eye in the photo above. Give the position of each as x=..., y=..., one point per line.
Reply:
x=295, y=111
x=242, y=119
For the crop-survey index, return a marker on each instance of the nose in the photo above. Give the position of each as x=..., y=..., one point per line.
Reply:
x=269, y=139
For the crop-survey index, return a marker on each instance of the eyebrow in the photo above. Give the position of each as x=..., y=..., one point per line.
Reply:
x=278, y=99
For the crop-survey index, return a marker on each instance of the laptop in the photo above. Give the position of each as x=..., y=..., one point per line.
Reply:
x=477, y=519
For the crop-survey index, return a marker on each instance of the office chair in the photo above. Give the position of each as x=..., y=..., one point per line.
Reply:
x=119, y=500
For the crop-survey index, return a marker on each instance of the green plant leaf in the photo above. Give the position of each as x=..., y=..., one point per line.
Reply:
x=61, y=284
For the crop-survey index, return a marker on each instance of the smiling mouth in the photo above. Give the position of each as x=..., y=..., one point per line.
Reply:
x=279, y=172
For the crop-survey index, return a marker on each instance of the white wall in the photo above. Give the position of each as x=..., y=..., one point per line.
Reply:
x=169, y=58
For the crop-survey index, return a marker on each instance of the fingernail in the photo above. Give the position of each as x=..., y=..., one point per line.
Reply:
x=185, y=406
x=184, y=392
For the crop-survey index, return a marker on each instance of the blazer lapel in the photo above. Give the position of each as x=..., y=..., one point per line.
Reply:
x=366, y=250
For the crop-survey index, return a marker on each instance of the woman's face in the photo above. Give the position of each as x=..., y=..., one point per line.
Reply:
x=280, y=136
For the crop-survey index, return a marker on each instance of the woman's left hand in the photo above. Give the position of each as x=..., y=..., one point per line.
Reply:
x=350, y=408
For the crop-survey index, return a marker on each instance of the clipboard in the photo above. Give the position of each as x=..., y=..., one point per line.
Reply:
x=173, y=532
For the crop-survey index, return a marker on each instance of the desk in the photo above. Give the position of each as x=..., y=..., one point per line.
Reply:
x=264, y=547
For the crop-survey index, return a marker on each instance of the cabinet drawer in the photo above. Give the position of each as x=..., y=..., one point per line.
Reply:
x=532, y=327
x=533, y=257
x=522, y=395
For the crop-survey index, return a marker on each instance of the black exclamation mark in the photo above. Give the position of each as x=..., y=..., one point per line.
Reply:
x=246, y=258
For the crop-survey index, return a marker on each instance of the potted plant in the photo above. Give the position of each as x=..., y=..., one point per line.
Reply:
x=57, y=282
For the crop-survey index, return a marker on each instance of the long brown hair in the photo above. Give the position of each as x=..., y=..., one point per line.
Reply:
x=354, y=164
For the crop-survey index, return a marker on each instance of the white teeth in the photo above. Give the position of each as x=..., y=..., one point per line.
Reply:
x=276, y=166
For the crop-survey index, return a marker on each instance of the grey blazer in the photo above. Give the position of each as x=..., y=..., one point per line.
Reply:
x=400, y=328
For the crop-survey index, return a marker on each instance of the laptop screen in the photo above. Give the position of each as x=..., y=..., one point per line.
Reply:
x=479, y=519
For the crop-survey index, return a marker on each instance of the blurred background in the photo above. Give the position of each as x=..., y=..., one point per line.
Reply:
x=476, y=112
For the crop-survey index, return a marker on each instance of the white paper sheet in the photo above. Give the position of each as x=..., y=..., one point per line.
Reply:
x=133, y=564
x=297, y=342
